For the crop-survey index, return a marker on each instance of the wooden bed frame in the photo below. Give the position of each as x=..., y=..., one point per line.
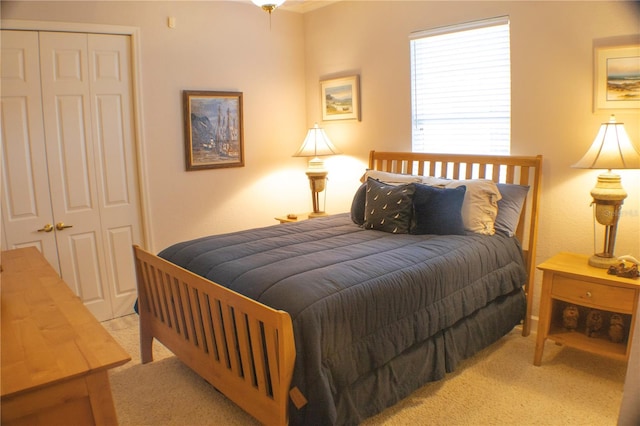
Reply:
x=246, y=349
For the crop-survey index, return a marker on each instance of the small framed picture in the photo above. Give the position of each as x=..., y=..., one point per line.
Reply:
x=616, y=77
x=213, y=129
x=340, y=98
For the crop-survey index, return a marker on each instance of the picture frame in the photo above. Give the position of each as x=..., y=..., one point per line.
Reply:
x=616, y=77
x=340, y=98
x=213, y=129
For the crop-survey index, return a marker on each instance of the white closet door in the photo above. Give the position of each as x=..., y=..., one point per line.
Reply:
x=26, y=204
x=71, y=161
x=112, y=112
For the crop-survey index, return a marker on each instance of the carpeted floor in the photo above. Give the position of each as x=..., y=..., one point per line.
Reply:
x=498, y=386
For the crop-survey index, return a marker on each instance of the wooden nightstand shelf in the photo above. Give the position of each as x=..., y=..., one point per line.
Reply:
x=569, y=280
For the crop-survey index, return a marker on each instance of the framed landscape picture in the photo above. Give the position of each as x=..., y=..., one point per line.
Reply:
x=340, y=98
x=617, y=77
x=213, y=129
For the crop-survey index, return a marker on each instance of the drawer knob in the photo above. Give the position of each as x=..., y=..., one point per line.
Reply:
x=588, y=294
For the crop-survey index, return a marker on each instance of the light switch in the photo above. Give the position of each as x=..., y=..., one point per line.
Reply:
x=171, y=22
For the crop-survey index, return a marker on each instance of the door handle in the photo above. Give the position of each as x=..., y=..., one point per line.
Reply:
x=60, y=226
x=47, y=228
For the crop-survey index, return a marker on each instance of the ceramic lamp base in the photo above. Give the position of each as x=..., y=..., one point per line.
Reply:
x=317, y=214
x=600, y=261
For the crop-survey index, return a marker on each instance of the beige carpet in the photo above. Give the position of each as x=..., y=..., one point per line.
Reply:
x=498, y=386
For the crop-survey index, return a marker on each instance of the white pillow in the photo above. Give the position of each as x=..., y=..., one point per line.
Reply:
x=391, y=178
x=480, y=206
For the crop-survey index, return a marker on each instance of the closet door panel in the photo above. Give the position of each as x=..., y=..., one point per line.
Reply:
x=85, y=263
x=73, y=179
x=26, y=203
x=124, y=290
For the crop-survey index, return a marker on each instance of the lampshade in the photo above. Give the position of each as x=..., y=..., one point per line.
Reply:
x=316, y=144
x=268, y=5
x=611, y=149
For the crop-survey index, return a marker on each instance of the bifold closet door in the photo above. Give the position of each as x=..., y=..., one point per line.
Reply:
x=90, y=166
x=115, y=158
x=66, y=100
x=27, y=219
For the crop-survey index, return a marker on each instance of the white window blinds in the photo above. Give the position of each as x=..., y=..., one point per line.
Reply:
x=461, y=88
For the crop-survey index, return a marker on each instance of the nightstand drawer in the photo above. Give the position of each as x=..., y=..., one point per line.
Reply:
x=587, y=293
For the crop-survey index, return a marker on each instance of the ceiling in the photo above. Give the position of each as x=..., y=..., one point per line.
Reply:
x=302, y=6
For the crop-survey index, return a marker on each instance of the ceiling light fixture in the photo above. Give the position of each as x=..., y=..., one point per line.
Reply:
x=268, y=5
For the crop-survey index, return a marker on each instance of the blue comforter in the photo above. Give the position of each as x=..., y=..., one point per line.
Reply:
x=357, y=298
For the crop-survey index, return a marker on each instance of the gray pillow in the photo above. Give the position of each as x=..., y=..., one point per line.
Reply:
x=388, y=208
x=510, y=207
x=357, y=205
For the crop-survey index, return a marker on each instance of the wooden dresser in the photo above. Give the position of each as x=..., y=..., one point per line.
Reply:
x=55, y=354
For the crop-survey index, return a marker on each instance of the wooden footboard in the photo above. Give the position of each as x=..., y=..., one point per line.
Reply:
x=242, y=347
x=521, y=170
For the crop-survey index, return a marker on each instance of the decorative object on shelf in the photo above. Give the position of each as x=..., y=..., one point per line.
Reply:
x=616, y=77
x=213, y=134
x=570, y=317
x=611, y=149
x=594, y=323
x=315, y=145
x=622, y=270
x=340, y=98
x=616, y=328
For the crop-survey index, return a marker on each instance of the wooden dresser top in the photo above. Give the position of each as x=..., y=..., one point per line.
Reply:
x=48, y=335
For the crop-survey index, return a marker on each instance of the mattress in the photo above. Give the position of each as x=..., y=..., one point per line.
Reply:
x=361, y=300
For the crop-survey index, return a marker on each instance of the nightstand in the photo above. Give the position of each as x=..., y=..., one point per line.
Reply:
x=568, y=280
x=288, y=218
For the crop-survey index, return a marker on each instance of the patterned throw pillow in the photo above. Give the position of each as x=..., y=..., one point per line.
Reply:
x=388, y=208
x=392, y=178
x=480, y=206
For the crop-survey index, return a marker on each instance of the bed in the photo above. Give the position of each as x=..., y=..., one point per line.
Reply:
x=331, y=320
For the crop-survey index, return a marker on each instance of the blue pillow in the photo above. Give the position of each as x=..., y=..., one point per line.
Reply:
x=438, y=210
x=510, y=206
x=357, y=205
x=388, y=208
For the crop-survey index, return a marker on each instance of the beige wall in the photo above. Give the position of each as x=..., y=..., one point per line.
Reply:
x=219, y=46
x=229, y=46
x=551, y=55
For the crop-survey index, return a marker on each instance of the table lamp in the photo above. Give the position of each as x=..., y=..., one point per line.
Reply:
x=611, y=149
x=315, y=145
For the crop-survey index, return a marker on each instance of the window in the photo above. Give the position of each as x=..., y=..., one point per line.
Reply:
x=461, y=88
